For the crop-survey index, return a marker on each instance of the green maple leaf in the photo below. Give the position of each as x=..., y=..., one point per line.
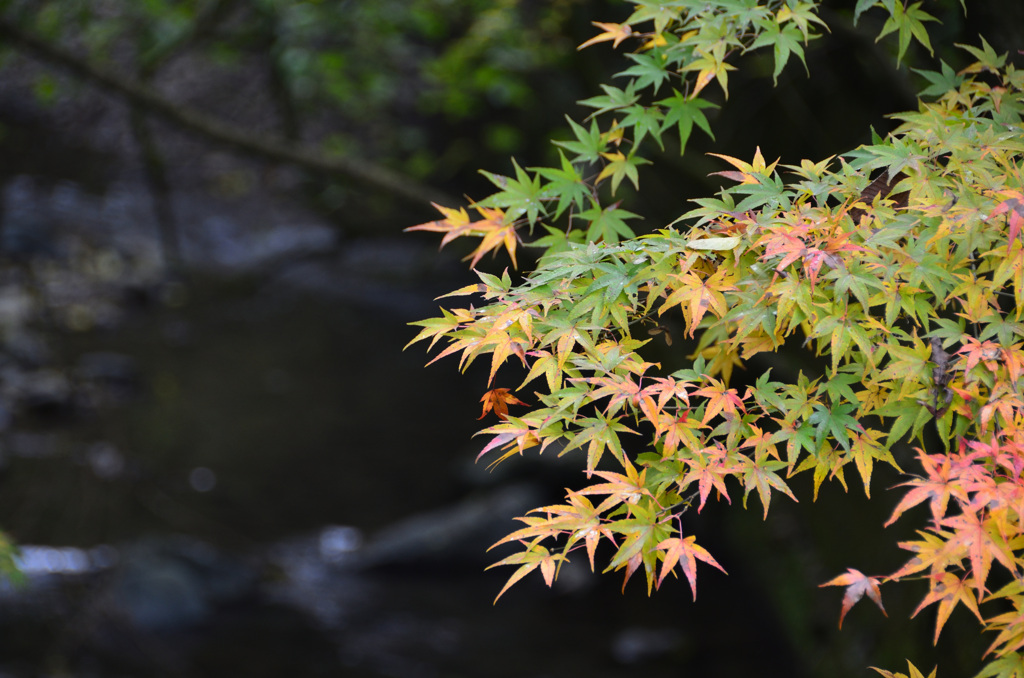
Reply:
x=649, y=70
x=614, y=98
x=608, y=224
x=836, y=421
x=644, y=120
x=785, y=40
x=909, y=21
x=518, y=196
x=941, y=82
x=589, y=143
x=685, y=112
x=566, y=183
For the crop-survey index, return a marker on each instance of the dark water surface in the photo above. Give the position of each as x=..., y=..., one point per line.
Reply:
x=306, y=413
x=268, y=485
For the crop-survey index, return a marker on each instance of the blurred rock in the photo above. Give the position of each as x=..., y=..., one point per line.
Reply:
x=450, y=536
x=111, y=378
x=106, y=462
x=173, y=583
x=44, y=394
x=639, y=645
x=25, y=230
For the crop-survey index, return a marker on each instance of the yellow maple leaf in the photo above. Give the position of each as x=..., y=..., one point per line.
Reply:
x=493, y=229
x=748, y=172
x=614, y=32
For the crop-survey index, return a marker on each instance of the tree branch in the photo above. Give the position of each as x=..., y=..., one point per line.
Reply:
x=187, y=118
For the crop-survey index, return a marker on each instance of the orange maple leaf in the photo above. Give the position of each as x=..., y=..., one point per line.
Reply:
x=498, y=400
x=720, y=399
x=496, y=232
x=985, y=352
x=857, y=584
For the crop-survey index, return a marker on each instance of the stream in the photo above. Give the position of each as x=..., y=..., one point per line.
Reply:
x=245, y=474
x=235, y=469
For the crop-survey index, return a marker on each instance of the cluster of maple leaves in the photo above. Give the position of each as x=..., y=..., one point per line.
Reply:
x=911, y=283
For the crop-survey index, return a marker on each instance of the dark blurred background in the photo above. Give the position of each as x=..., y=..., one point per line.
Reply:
x=216, y=459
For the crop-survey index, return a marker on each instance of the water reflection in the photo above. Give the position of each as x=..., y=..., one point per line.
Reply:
x=202, y=479
x=338, y=542
x=284, y=488
x=68, y=560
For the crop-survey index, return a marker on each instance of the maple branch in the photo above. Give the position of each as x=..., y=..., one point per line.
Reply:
x=277, y=150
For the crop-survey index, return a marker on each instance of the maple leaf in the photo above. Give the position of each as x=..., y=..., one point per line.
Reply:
x=720, y=399
x=494, y=228
x=621, y=390
x=932, y=551
x=857, y=584
x=974, y=351
x=599, y=433
x=614, y=32
x=685, y=552
x=498, y=400
x=578, y=517
x=496, y=232
x=512, y=431
x=666, y=389
x=696, y=296
x=680, y=430
x=982, y=544
x=529, y=560
x=620, y=488
x=587, y=524
x=748, y=173
x=941, y=484
x=914, y=672
x=865, y=448
x=454, y=224
x=640, y=534
x=1013, y=359
x=947, y=590
x=1004, y=401
x=784, y=242
x=1014, y=204
x=761, y=475
x=1011, y=634
x=709, y=66
x=537, y=528
x=709, y=467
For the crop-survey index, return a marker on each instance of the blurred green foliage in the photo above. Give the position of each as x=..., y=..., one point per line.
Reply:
x=8, y=563
x=394, y=80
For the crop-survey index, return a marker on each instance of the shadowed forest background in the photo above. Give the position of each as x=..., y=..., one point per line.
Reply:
x=214, y=454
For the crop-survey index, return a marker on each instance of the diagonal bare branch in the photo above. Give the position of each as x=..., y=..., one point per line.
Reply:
x=187, y=118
